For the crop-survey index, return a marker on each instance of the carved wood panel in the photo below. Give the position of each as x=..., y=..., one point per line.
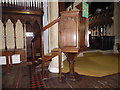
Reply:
x=73, y=30
x=19, y=18
x=67, y=29
x=23, y=18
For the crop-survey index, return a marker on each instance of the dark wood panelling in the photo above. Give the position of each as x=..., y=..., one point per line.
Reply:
x=26, y=16
x=73, y=30
x=28, y=40
x=102, y=42
x=61, y=7
x=36, y=29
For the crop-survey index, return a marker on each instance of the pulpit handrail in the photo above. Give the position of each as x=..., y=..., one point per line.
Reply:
x=42, y=37
x=46, y=27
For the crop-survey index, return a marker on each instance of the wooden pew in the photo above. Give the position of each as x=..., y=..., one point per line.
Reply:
x=8, y=53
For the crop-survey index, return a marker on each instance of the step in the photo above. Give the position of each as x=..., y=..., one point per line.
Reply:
x=40, y=59
x=55, y=50
x=37, y=54
x=48, y=54
x=47, y=57
x=51, y=55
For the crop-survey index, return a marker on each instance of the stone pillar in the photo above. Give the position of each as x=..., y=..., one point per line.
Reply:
x=53, y=34
x=45, y=22
x=116, y=24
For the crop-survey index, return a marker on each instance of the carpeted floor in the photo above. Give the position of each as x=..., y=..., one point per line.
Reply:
x=97, y=65
x=35, y=79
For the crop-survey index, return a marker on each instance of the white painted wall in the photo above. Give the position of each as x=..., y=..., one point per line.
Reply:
x=53, y=34
x=45, y=22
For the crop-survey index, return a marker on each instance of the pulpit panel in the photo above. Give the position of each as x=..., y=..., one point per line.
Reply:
x=69, y=30
x=82, y=32
x=73, y=30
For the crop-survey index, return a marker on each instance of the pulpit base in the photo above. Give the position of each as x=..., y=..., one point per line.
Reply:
x=72, y=76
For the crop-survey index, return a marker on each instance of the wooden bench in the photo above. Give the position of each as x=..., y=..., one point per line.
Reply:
x=8, y=53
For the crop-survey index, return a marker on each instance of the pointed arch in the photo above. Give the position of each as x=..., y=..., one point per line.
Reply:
x=2, y=36
x=19, y=35
x=10, y=35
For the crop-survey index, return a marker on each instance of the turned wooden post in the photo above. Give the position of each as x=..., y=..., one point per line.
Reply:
x=60, y=65
x=71, y=75
x=24, y=34
x=5, y=36
x=42, y=45
x=14, y=25
x=33, y=52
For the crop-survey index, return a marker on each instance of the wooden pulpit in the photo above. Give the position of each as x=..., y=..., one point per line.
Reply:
x=72, y=38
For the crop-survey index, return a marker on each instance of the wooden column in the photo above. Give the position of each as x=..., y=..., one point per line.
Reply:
x=116, y=24
x=43, y=61
x=71, y=75
x=33, y=49
x=5, y=36
x=24, y=41
x=14, y=25
x=99, y=28
x=60, y=65
x=23, y=35
x=33, y=52
x=7, y=63
x=117, y=20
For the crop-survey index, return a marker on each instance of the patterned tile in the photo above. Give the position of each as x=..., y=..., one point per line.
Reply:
x=35, y=79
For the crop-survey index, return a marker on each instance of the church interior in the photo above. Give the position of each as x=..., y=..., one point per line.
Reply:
x=64, y=45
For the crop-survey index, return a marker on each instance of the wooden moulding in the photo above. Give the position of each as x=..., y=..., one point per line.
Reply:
x=22, y=11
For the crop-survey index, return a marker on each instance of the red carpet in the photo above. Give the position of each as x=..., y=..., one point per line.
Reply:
x=35, y=79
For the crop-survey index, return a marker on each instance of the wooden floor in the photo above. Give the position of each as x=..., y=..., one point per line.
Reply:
x=18, y=78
